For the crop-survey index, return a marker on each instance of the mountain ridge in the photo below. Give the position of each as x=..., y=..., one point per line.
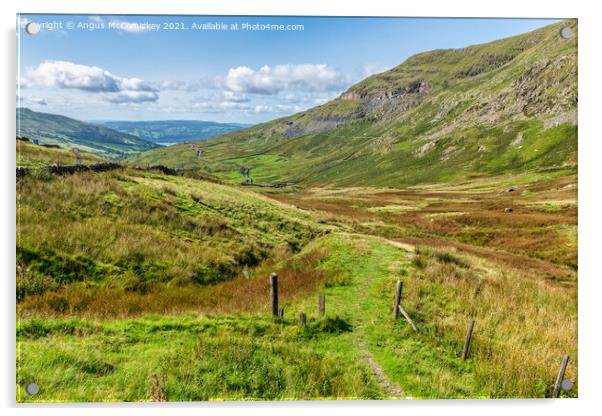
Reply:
x=68, y=133
x=439, y=115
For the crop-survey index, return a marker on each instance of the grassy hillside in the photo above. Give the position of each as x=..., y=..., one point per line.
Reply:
x=69, y=133
x=30, y=155
x=173, y=131
x=135, y=228
x=506, y=106
x=144, y=286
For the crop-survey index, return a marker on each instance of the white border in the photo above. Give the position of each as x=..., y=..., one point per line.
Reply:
x=590, y=276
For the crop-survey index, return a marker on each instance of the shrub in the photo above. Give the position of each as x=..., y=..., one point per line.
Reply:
x=34, y=284
x=326, y=326
x=61, y=267
x=447, y=257
x=134, y=283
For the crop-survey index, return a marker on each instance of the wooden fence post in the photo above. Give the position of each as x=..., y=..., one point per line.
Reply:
x=407, y=316
x=274, y=293
x=563, y=364
x=321, y=305
x=467, y=341
x=302, y=319
x=398, y=289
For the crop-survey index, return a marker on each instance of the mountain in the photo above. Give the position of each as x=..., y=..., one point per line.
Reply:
x=69, y=133
x=173, y=131
x=503, y=107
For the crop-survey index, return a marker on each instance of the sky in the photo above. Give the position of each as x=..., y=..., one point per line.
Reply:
x=219, y=68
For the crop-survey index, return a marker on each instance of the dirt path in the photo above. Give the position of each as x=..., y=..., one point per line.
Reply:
x=392, y=390
x=508, y=260
x=401, y=245
x=503, y=258
x=395, y=243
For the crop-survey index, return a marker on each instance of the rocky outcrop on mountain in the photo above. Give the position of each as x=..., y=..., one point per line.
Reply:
x=398, y=101
x=317, y=124
x=385, y=105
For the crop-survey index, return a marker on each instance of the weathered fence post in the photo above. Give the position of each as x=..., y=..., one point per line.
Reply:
x=398, y=289
x=321, y=305
x=302, y=319
x=407, y=316
x=467, y=341
x=557, y=385
x=274, y=293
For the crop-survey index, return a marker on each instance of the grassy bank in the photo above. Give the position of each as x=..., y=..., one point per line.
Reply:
x=131, y=229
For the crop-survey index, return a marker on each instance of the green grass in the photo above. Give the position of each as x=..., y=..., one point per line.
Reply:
x=441, y=301
x=416, y=362
x=194, y=358
x=252, y=357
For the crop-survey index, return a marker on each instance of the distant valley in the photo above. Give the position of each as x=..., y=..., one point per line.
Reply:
x=167, y=132
x=114, y=139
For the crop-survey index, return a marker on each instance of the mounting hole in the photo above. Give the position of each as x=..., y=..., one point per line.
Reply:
x=566, y=33
x=32, y=389
x=32, y=28
x=566, y=385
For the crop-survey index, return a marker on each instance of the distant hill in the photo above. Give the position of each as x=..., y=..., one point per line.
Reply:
x=173, y=131
x=507, y=106
x=69, y=133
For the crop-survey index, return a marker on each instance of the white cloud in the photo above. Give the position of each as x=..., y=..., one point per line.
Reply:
x=231, y=97
x=220, y=106
x=35, y=101
x=186, y=86
x=175, y=85
x=272, y=80
x=263, y=109
x=130, y=96
x=68, y=75
x=276, y=109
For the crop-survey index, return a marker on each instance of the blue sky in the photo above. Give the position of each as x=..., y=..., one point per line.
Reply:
x=112, y=67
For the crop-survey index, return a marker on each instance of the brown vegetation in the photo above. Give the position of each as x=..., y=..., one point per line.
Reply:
x=534, y=225
x=248, y=292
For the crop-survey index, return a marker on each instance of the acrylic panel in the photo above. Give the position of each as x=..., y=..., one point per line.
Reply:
x=270, y=208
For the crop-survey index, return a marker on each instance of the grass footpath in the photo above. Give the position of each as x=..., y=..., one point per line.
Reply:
x=411, y=361
x=515, y=351
x=245, y=356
